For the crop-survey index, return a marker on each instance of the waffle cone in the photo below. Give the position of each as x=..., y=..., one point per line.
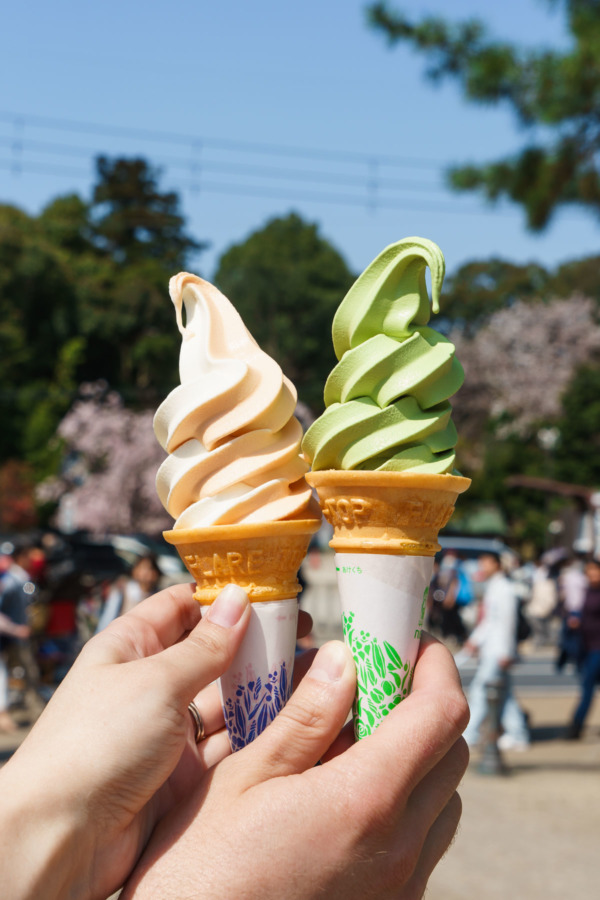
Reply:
x=386, y=512
x=262, y=558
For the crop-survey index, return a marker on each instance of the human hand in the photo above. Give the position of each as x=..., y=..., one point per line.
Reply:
x=372, y=821
x=13, y=629
x=22, y=632
x=114, y=750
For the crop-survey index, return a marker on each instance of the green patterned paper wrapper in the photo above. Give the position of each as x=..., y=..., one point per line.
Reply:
x=383, y=600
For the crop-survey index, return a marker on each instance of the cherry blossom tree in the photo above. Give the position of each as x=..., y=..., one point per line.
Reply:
x=519, y=365
x=110, y=461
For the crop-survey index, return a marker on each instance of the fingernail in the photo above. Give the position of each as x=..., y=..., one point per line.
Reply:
x=329, y=663
x=227, y=609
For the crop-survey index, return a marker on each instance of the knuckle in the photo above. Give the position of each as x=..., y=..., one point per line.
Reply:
x=450, y=818
x=209, y=642
x=188, y=614
x=401, y=860
x=453, y=766
x=380, y=835
x=303, y=712
x=456, y=711
x=377, y=815
x=455, y=808
x=461, y=749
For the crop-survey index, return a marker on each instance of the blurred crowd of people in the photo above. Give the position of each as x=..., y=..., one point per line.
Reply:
x=49, y=608
x=485, y=607
x=488, y=610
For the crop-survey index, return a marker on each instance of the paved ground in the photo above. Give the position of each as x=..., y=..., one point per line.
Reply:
x=532, y=835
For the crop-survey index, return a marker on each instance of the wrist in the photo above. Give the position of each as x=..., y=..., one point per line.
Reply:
x=41, y=840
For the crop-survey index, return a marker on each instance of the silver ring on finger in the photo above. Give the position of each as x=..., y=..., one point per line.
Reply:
x=198, y=722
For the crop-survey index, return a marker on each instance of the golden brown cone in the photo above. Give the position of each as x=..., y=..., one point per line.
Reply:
x=261, y=558
x=386, y=512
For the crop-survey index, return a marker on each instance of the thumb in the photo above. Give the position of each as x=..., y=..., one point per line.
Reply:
x=308, y=724
x=209, y=648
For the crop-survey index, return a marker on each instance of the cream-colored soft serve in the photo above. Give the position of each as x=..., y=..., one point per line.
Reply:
x=229, y=428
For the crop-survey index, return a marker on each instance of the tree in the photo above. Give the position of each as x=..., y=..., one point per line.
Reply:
x=17, y=502
x=579, y=275
x=38, y=320
x=518, y=366
x=480, y=288
x=109, y=466
x=577, y=450
x=133, y=220
x=138, y=233
x=518, y=392
x=556, y=90
x=83, y=296
x=286, y=282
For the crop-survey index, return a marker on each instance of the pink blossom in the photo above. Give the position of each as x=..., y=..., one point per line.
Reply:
x=110, y=464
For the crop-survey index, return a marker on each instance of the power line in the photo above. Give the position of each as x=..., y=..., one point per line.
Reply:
x=206, y=165
x=257, y=191
x=21, y=120
x=378, y=190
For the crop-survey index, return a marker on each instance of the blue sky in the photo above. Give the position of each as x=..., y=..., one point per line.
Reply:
x=288, y=77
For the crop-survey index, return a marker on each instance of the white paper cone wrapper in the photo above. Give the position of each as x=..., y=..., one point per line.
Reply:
x=383, y=601
x=259, y=681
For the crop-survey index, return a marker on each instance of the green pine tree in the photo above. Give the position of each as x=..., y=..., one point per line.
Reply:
x=557, y=90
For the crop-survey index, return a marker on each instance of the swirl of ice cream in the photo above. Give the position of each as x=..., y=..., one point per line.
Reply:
x=229, y=428
x=387, y=398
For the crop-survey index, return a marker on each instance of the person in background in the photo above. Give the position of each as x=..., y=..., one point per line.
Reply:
x=8, y=629
x=542, y=604
x=59, y=643
x=494, y=640
x=89, y=605
x=445, y=591
x=16, y=592
x=589, y=628
x=16, y=584
x=572, y=587
x=128, y=592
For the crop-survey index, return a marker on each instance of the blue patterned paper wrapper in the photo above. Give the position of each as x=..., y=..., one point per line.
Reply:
x=258, y=683
x=383, y=599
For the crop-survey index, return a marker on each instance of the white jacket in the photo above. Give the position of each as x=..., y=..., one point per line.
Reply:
x=496, y=635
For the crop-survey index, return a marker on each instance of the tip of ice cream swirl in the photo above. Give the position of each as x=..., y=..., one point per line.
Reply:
x=387, y=398
x=229, y=428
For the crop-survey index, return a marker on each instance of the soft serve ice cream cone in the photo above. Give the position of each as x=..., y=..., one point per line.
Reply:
x=383, y=465
x=234, y=482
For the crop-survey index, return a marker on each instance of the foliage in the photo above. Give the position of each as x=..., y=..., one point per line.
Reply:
x=83, y=296
x=38, y=316
x=518, y=365
x=42, y=404
x=480, y=288
x=577, y=451
x=286, y=282
x=133, y=220
x=518, y=388
x=110, y=462
x=527, y=511
x=17, y=503
x=556, y=90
